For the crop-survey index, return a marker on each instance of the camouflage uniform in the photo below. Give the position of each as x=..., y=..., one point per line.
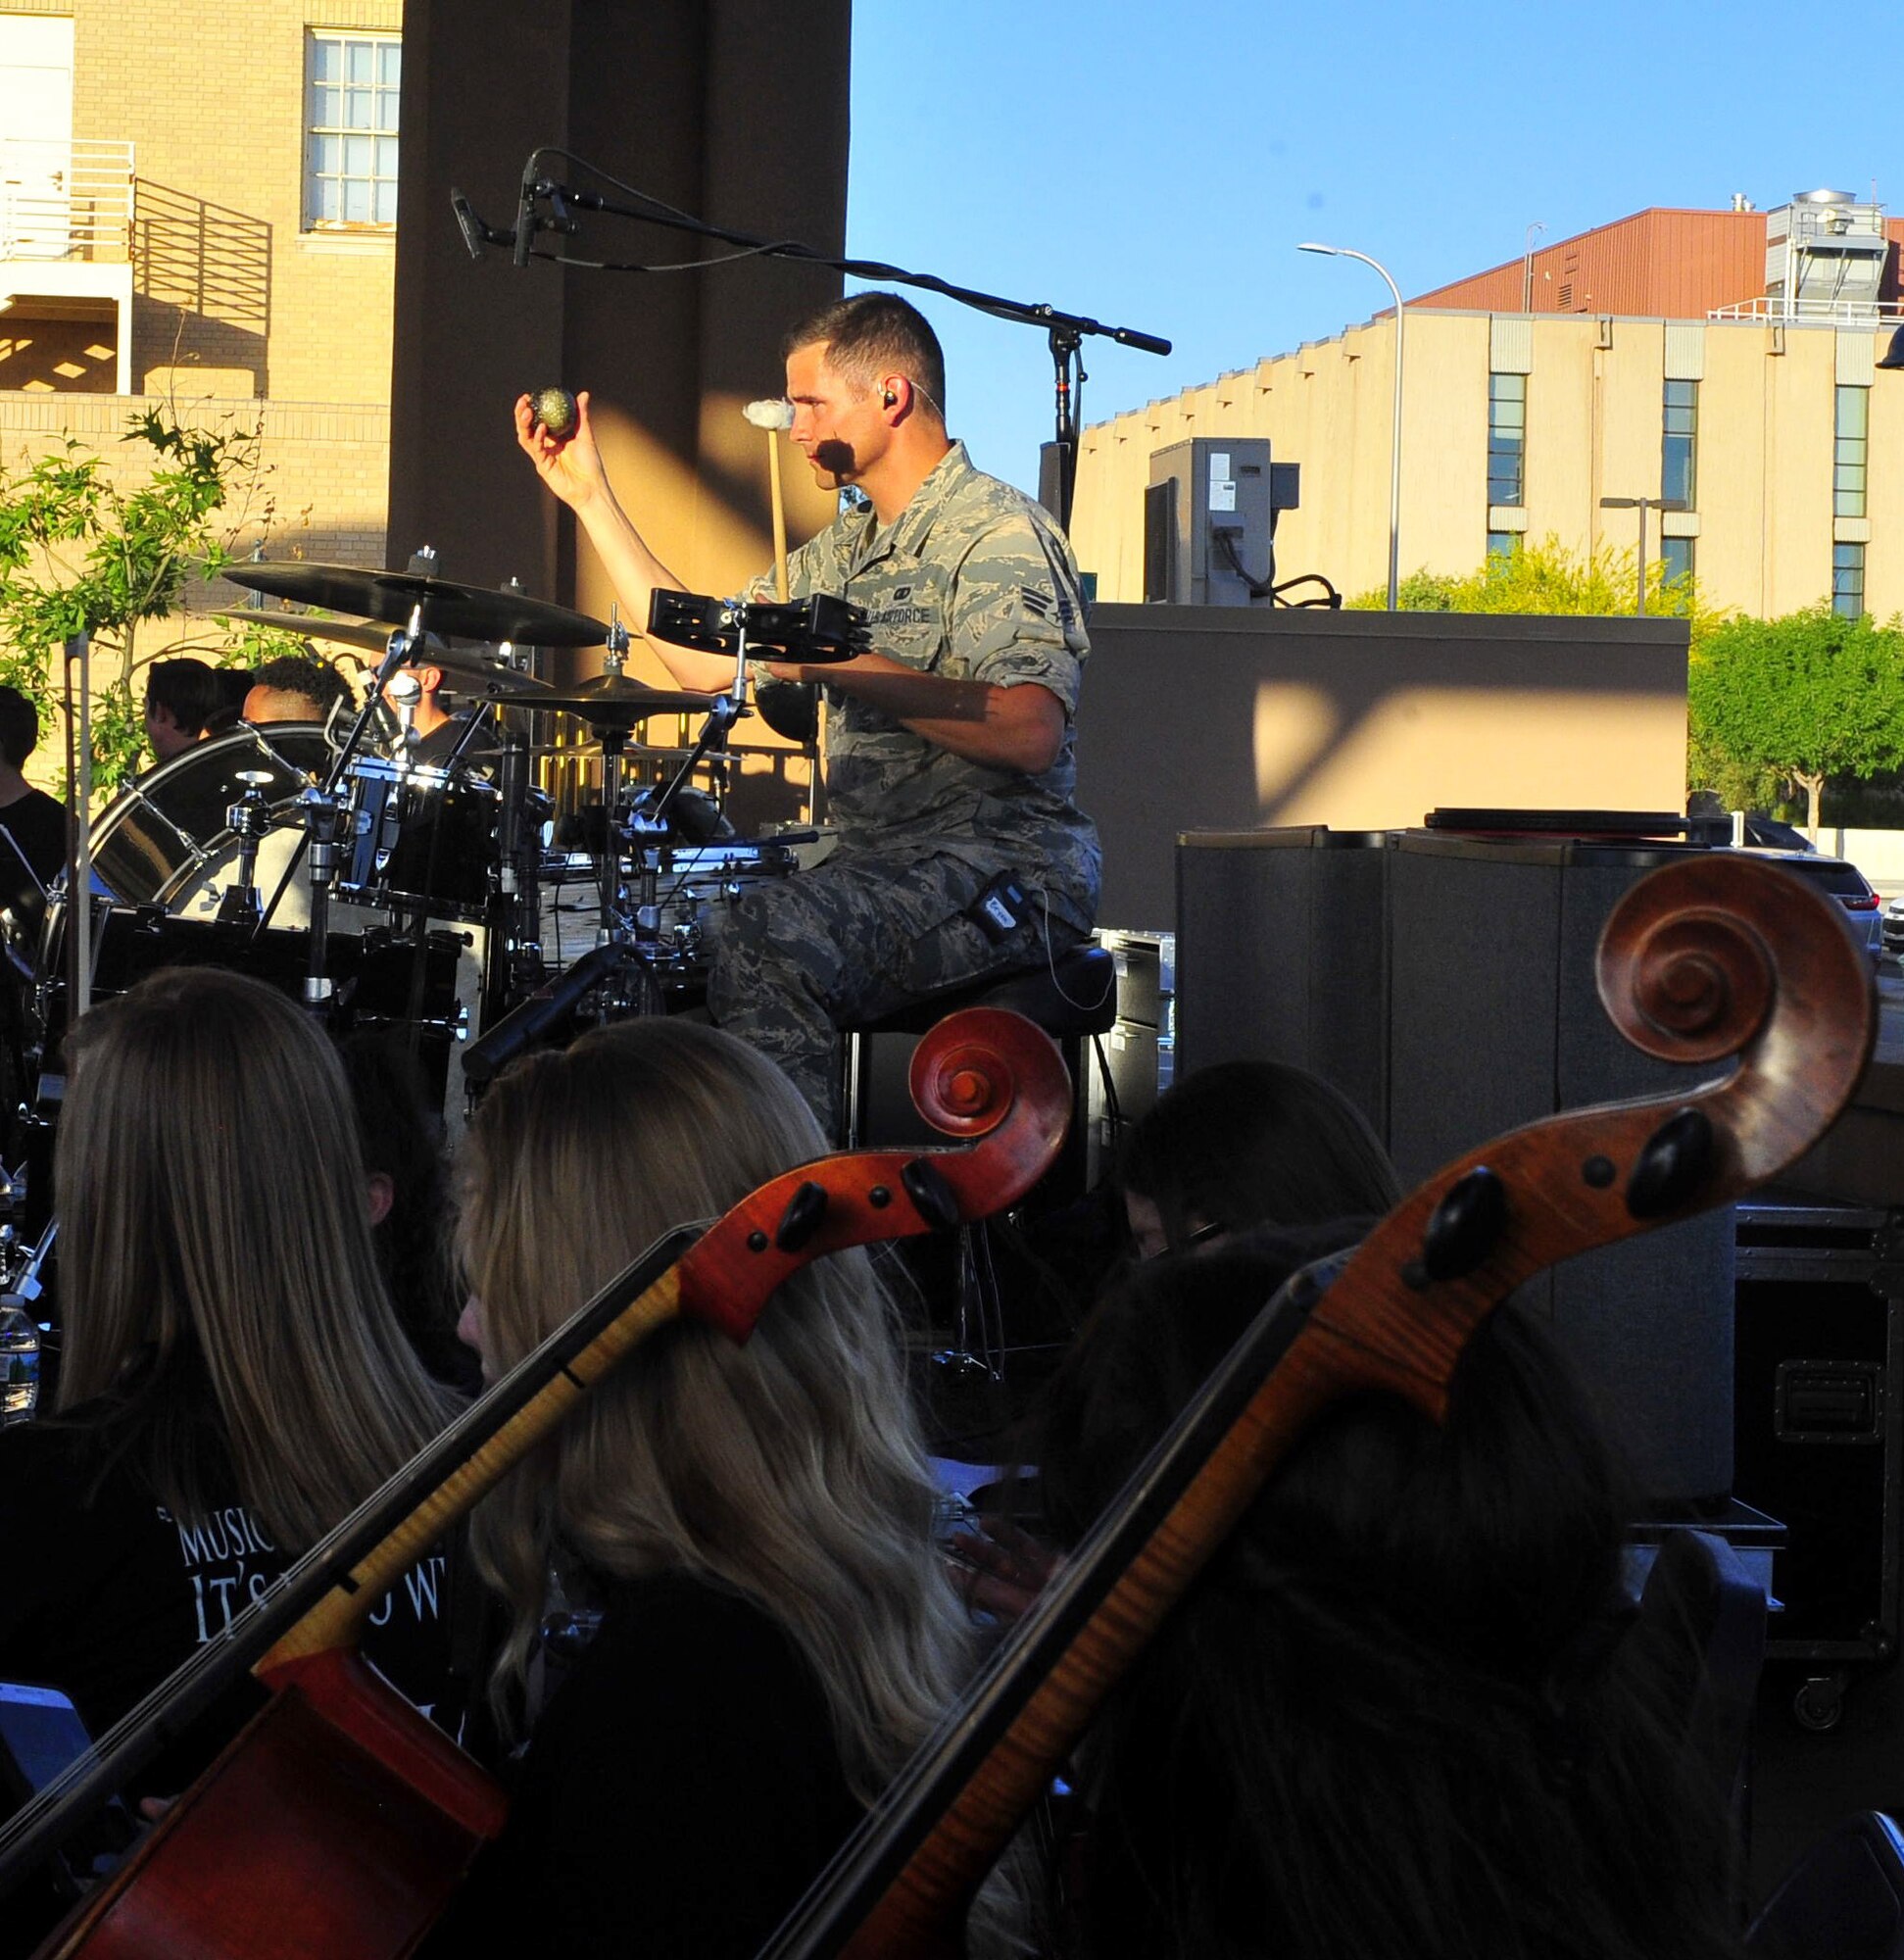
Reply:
x=971, y=580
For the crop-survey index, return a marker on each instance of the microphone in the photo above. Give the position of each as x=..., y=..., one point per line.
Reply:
x=484, y=1060
x=475, y=233
x=526, y=211
x=404, y=691
x=561, y=219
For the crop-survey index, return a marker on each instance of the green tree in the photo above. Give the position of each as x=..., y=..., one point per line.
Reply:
x=80, y=552
x=1807, y=697
x=1547, y=578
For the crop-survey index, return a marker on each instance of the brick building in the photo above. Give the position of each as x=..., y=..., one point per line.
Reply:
x=206, y=218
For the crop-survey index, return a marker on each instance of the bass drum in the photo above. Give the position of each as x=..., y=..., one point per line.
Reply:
x=166, y=841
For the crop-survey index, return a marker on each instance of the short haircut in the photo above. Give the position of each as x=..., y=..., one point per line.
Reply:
x=18, y=726
x=300, y=673
x=186, y=688
x=231, y=685
x=871, y=335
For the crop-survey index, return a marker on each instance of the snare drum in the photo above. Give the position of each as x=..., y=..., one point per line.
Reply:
x=420, y=837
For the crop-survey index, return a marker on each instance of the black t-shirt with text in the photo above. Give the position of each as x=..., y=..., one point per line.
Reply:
x=106, y=1594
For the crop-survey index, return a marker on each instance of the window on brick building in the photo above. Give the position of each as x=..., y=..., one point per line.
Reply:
x=1503, y=543
x=1506, y=438
x=1848, y=577
x=1848, y=459
x=1679, y=473
x=1674, y=558
x=350, y=159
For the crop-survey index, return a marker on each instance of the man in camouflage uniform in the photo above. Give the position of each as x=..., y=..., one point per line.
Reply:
x=962, y=578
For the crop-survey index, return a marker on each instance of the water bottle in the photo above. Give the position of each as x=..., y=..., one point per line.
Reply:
x=19, y=1361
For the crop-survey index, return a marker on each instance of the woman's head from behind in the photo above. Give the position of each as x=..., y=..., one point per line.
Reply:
x=215, y=1239
x=1249, y=1143
x=1393, y=1714
x=787, y=1467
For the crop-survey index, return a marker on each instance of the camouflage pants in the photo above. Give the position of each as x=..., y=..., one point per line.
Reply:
x=796, y=959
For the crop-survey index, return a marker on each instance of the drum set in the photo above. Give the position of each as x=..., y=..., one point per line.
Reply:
x=385, y=890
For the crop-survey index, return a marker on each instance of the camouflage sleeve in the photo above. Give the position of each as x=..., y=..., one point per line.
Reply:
x=1016, y=614
x=803, y=565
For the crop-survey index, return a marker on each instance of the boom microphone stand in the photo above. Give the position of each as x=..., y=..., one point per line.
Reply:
x=1066, y=330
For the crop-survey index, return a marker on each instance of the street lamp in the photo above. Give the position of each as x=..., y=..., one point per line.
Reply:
x=1643, y=505
x=1394, y=444
x=1526, y=268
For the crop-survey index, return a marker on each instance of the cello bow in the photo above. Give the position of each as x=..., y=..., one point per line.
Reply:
x=339, y=1822
x=1703, y=960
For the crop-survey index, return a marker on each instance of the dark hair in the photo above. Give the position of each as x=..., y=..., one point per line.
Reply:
x=18, y=726
x=229, y=687
x=187, y=690
x=1249, y=1143
x=871, y=335
x=400, y=1136
x=299, y=674
x=1395, y=1714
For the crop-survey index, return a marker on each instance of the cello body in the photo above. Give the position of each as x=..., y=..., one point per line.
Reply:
x=339, y=1821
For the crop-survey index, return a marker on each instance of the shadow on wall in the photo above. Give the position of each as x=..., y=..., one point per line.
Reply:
x=1221, y=718
x=57, y=357
x=201, y=285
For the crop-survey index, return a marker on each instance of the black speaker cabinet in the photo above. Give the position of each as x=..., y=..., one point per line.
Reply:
x=1495, y=1022
x=1282, y=955
x=1820, y=1420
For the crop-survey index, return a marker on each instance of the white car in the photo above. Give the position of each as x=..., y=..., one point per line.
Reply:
x=1841, y=880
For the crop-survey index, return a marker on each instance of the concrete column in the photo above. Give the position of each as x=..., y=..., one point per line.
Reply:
x=734, y=110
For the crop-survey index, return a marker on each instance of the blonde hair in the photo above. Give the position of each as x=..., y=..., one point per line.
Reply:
x=788, y=1468
x=221, y=1292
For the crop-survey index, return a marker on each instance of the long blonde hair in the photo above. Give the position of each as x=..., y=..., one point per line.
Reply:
x=220, y=1291
x=790, y=1467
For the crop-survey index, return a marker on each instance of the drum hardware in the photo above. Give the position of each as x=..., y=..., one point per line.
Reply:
x=321, y=813
x=247, y=819
x=319, y=803
x=816, y=632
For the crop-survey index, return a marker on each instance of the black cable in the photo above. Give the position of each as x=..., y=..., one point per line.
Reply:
x=1262, y=589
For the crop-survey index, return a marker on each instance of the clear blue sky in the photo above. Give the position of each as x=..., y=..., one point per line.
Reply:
x=1155, y=166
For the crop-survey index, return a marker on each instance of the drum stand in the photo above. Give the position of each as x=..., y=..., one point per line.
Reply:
x=320, y=809
x=249, y=818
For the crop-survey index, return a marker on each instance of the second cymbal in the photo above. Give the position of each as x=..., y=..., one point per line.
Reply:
x=610, y=700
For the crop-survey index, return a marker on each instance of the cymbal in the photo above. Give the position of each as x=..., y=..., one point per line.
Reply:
x=468, y=663
x=610, y=701
x=346, y=632
x=482, y=673
x=461, y=612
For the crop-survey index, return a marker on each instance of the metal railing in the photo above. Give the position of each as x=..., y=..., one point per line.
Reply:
x=1842, y=313
x=65, y=200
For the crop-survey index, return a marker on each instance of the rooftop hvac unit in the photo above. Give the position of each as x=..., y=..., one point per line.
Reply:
x=1825, y=255
x=1209, y=521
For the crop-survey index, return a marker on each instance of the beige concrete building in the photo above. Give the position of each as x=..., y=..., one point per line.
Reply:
x=1767, y=413
x=205, y=217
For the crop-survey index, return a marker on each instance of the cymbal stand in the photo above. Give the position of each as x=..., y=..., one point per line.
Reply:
x=320, y=807
x=653, y=817
x=515, y=968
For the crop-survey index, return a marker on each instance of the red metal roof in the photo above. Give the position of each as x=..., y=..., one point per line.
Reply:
x=1664, y=263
